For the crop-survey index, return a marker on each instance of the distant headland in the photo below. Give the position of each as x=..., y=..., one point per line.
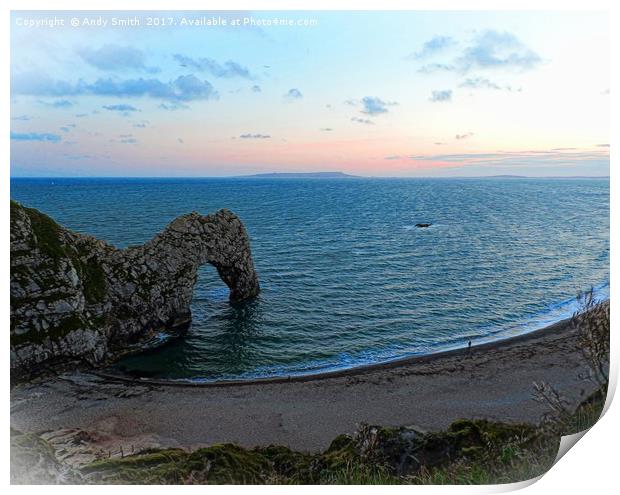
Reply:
x=300, y=175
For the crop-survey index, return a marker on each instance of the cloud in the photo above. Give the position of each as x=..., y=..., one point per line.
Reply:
x=62, y=104
x=36, y=136
x=141, y=125
x=490, y=50
x=326, y=129
x=493, y=49
x=433, y=46
x=180, y=141
x=439, y=143
x=392, y=157
x=39, y=84
x=256, y=88
x=483, y=83
x=255, y=136
x=22, y=117
x=171, y=107
x=478, y=83
x=125, y=139
x=116, y=58
x=293, y=94
x=81, y=115
x=362, y=121
x=464, y=136
x=441, y=96
x=78, y=157
x=606, y=145
x=122, y=107
x=57, y=103
x=370, y=105
x=533, y=160
x=430, y=68
x=183, y=88
x=373, y=105
x=228, y=69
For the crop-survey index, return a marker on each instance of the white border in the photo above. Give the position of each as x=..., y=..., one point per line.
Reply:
x=588, y=468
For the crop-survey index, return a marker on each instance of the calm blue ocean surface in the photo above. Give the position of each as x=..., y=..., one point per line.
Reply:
x=346, y=277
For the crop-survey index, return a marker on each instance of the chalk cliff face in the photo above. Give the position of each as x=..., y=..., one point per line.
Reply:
x=77, y=298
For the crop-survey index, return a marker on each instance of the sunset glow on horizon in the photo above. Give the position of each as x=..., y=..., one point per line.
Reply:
x=374, y=94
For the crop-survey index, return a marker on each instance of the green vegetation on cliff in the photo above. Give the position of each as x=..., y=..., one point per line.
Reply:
x=47, y=232
x=55, y=332
x=374, y=455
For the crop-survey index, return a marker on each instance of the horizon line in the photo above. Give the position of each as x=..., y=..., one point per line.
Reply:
x=257, y=176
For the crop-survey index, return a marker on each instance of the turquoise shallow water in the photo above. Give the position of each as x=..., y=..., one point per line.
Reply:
x=346, y=277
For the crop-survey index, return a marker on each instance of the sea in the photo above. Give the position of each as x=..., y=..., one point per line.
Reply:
x=347, y=279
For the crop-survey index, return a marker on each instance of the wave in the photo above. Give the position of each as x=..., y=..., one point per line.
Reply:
x=555, y=312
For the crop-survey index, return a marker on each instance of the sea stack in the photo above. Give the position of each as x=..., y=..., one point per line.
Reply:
x=75, y=298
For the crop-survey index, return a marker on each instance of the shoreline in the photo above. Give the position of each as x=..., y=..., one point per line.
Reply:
x=493, y=381
x=558, y=326
x=537, y=324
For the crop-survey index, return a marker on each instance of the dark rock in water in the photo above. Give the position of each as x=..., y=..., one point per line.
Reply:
x=423, y=225
x=77, y=298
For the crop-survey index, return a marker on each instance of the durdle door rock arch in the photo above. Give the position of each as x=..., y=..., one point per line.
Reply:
x=75, y=298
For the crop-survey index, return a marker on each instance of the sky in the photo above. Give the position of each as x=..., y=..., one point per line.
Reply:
x=398, y=94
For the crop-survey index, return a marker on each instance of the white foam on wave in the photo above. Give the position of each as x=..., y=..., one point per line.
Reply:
x=345, y=361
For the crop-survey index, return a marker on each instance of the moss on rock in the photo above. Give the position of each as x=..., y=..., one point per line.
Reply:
x=46, y=230
x=57, y=331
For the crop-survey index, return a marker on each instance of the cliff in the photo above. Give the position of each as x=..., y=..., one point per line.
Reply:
x=75, y=298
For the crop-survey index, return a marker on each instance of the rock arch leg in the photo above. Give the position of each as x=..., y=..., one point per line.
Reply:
x=74, y=297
